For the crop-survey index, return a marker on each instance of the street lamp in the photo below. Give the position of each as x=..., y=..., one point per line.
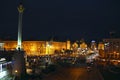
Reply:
x=48, y=48
x=16, y=71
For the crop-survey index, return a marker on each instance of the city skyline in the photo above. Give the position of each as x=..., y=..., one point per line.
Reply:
x=61, y=20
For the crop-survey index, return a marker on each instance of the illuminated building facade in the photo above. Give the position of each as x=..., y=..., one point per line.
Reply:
x=93, y=45
x=68, y=45
x=75, y=47
x=112, y=48
x=83, y=48
x=83, y=45
x=1, y=45
x=100, y=46
x=101, y=49
x=38, y=47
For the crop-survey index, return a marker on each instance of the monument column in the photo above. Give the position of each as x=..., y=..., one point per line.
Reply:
x=20, y=10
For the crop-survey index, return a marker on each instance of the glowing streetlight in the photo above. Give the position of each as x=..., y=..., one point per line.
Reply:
x=16, y=71
x=48, y=46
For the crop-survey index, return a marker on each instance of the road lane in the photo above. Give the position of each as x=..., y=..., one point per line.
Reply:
x=74, y=73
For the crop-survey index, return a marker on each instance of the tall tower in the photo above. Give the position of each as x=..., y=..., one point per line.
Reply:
x=19, y=68
x=20, y=10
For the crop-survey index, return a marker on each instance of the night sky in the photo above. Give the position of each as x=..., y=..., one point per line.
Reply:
x=61, y=19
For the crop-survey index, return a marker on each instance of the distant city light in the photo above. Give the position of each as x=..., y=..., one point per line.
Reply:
x=106, y=44
x=93, y=41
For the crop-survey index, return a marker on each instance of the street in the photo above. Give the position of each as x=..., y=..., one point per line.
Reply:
x=74, y=73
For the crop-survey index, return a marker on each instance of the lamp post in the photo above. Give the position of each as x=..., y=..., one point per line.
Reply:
x=48, y=46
